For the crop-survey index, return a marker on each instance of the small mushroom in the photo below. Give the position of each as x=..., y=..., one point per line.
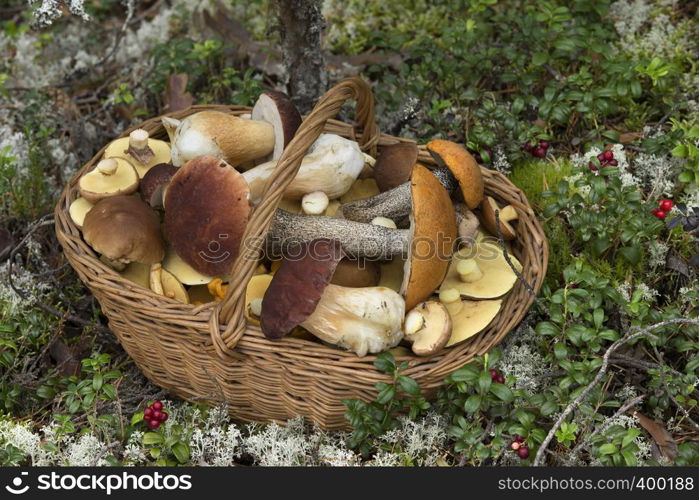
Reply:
x=428, y=327
x=206, y=210
x=464, y=167
x=467, y=224
x=79, y=209
x=140, y=150
x=356, y=273
x=164, y=283
x=153, y=183
x=362, y=320
x=394, y=165
x=468, y=317
x=276, y=108
x=505, y=214
x=111, y=177
x=124, y=229
x=331, y=166
x=315, y=203
x=481, y=272
x=221, y=135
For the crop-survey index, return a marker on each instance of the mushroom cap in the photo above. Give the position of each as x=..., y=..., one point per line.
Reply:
x=256, y=288
x=138, y=273
x=435, y=330
x=276, y=108
x=79, y=209
x=357, y=273
x=95, y=185
x=297, y=286
x=488, y=208
x=185, y=273
x=470, y=317
x=394, y=165
x=433, y=224
x=498, y=278
x=154, y=181
x=207, y=209
x=172, y=287
x=124, y=229
x=463, y=166
x=118, y=148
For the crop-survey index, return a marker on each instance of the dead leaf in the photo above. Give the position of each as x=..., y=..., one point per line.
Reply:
x=66, y=361
x=176, y=96
x=6, y=243
x=663, y=439
x=676, y=263
x=629, y=137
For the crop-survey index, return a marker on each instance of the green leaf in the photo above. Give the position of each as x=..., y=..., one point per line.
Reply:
x=386, y=394
x=484, y=382
x=598, y=317
x=599, y=246
x=547, y=328
x=502, y=392
x=137, y=417
x=607, y=449
x=686, y=176
x=679, y=151
x=629, y=458
x=385, y=362
x=408, y=385
x=152, y=438
x=472, y=403
x=548, y=408
x=631, y=254
x=181, y=452
x=540, y=58
x=155, y=452
x=560, y=350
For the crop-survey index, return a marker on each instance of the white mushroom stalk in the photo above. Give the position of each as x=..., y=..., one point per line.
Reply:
x=315, y=203
x=332, y=164
x=363, y=320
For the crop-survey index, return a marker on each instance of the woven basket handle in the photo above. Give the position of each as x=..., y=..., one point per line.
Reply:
x=230, y=310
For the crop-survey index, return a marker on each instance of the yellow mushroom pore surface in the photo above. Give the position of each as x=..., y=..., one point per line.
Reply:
x=123, y=178
x=497, y=277
x=119, y=147
x=470, y=317
x=257, y=286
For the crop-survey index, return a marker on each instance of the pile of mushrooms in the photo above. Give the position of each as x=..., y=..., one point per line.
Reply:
x=362, y=254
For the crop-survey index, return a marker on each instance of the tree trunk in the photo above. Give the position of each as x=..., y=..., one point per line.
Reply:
x=301, y=27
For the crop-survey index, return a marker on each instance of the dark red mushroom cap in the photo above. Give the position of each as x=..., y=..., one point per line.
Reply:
x=276, y=108
x=297, y=286
x=153, y=182
x=207, y=205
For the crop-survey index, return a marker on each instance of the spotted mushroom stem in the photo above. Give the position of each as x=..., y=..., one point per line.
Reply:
x=357, y=239
x=156, y=281
x=508, y=213
x=451, y=298
x=138, y=139
x=469, y=271
x=394, y=204
x=108, y=166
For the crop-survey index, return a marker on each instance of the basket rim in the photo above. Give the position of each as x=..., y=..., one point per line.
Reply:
x=79, y=253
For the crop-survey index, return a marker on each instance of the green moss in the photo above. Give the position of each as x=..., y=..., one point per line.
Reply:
x=534, y=177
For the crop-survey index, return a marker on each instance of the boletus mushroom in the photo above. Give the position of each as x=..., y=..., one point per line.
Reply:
x=394, y=165
x=276, y=108
x=363, y=320
x=505, y=215
x=140, y=150
x=428, y=327
x=153, y=183
x=468, y=316
x=124, y=229
x=206, y=210
x=164, y=283
x=110, y=177
x=79, y=209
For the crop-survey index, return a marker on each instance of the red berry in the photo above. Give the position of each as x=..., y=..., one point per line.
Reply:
x=154, y=424
x=156, y=415
x=157, y=405
x=592, y=166
x=660, y=214
x=163, y=416
x=493, y=373
x=519, y=438
x=600, y=157
x=500, y=379
x=666, y=205
x=611, y=163
x=147, y=412
x=528, y=146
x=607, y=155
x=523, y=452
x=539, y=152
x=544, y=144
x=515, y=445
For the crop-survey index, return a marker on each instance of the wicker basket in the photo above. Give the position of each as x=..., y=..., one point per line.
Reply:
x=209, y=353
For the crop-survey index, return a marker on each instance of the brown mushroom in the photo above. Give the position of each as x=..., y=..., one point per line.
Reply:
x=277, y=109
x=468, y=317
x=463, y=166
x=428, y=327
x=111, y=177
x=356, y=273
x=124, y=229
x=394, y=165
x=154, y=182
x=206, y=210
x=506, y=214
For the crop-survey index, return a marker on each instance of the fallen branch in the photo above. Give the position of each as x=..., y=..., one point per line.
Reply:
x=538, y=460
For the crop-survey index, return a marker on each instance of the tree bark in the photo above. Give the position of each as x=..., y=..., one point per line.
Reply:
x=301, y=27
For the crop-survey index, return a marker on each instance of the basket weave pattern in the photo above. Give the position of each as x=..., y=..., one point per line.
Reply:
x=208, y=352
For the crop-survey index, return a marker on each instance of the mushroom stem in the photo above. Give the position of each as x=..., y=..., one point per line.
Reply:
x=413, y=322
x=369, y=159
x=451, y=298
x=156, y=283
x=394, y=203
x=508, y=213
x=357, y=239
x=314, y=203
x=138, y=139
x=469, y=271
x=467, y=224
x=384, y=221
x=107, y=167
